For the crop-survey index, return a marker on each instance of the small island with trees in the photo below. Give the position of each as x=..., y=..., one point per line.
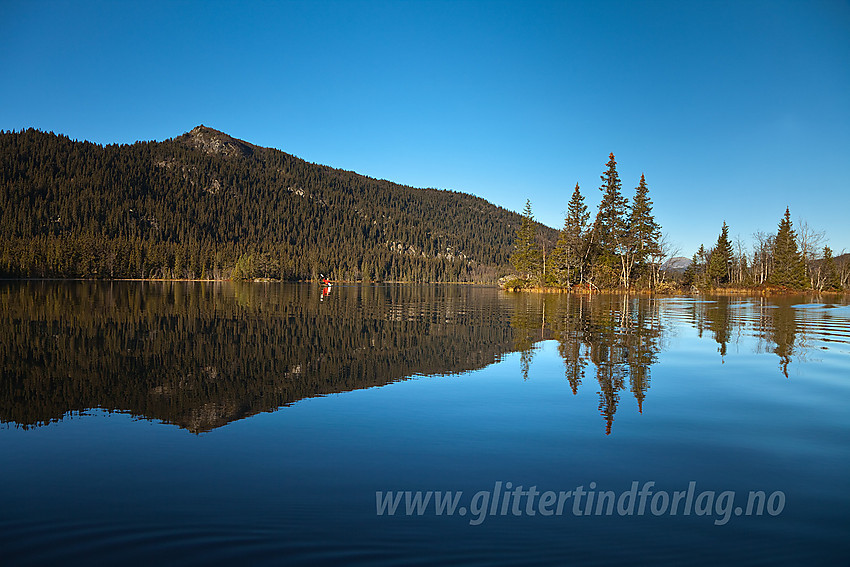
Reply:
x=624, y=250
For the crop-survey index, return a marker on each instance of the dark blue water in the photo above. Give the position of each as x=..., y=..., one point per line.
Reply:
x=207, y=424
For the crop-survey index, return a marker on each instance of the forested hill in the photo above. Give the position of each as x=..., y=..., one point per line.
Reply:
x=206, y=205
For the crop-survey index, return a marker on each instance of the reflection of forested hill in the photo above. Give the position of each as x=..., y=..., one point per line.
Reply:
x=202, y=355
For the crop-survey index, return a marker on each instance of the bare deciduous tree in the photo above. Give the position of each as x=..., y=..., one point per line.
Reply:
x=666, y=250
x=740, y=261
x=810, y=243
x=762, y=256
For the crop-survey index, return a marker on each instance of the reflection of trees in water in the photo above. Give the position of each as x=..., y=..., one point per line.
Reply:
x=714, y=317
x=528, y=321
x=778, y=327
x=619, y=335
x=719, y=323
x=202, y=355
x=623, y=343
x=783, y=333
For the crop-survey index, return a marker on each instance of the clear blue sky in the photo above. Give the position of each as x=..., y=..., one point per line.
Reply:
x=733, y=110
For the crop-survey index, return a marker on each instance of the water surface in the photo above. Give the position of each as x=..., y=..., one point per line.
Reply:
x=211, y=423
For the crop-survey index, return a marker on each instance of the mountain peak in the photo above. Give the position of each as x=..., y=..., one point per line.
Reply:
x=677, y=264
x=214, y=142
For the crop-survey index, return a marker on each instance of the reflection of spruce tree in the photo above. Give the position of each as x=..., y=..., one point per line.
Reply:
x=643, y=349
x=719, y=322
x=606, y=353
x=778, y=321
x=568, y=325
x=525, y=361
x=783, y=331
x=527, y=325
x=620, y=336
x=715, y=317
x=610, y=382
x=575, y=364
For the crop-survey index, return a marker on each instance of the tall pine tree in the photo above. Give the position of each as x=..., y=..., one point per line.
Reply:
x=527, y=259
x=610, y=226
x=788, y=268
x=611, y=219
x=720, y=261
x=570, y=250
x=644, y=233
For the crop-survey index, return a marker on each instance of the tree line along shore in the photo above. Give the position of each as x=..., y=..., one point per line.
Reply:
x=206, y=206
x=624, y=249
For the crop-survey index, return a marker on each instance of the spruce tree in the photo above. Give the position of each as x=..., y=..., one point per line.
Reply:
x=788, y=268
x=610, y=226
x=526, y=258
x=644, y=232
x=611, y=219
x=831, y=281
x=689, y=276
x=695, y=272
x=568, y=254
x=720, y=262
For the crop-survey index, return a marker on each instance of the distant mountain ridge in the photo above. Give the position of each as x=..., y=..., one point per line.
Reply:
x=676, y=264
x=206, y=205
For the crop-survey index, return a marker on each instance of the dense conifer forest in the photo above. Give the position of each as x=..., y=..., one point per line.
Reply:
x=207, y=206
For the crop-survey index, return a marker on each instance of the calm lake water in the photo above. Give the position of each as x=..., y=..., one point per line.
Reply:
x=197, y=424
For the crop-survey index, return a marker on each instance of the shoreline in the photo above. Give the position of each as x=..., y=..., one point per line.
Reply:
x=765, y=292
x=645, y=292
x=255, y=280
